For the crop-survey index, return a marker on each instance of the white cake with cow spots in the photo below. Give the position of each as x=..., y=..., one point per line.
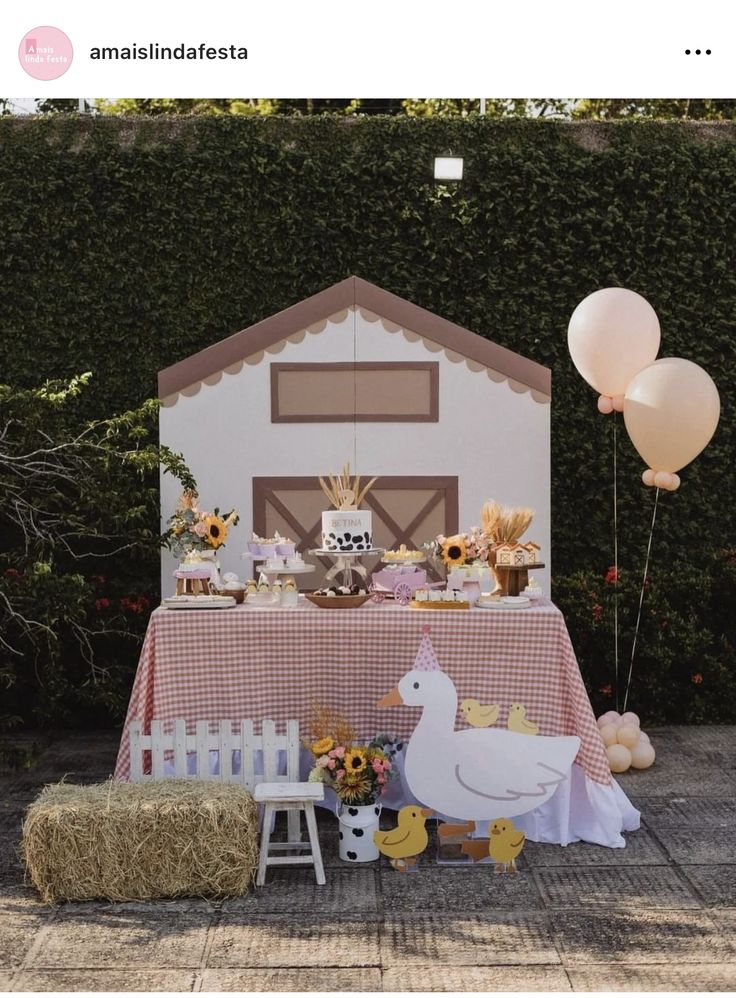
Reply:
x=347, y=530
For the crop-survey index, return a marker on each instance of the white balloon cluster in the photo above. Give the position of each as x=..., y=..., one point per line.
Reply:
x=626, y=744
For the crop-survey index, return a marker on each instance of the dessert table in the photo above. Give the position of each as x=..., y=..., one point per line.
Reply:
x=269, y=662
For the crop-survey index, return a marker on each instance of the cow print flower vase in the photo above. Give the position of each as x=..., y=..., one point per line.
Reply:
x=357, y=825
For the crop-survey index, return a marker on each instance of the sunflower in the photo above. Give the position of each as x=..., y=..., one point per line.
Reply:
x=323, y=746
x=354, y=761
x=216, y=531
x=358, y=790
x=454, y=551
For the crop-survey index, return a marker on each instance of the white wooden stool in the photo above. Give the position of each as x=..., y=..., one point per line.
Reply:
x=292, y=797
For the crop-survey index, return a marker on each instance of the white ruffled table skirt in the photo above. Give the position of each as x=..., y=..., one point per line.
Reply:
x=580, y=811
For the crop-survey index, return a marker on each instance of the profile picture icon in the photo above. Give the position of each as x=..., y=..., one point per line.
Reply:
x=45, y=52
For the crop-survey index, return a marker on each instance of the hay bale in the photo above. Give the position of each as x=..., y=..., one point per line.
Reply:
x=139, y=841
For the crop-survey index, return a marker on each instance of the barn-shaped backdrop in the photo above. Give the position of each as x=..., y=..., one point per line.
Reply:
x=446, y=418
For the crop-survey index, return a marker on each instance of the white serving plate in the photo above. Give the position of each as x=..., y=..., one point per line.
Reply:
x=198, y=602
x=506, y=603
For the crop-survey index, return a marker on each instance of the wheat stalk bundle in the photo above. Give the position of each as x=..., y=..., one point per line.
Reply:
x=507, y=524
x=344, y=493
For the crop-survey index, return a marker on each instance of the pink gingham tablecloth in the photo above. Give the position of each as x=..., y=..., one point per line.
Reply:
x=252, y=662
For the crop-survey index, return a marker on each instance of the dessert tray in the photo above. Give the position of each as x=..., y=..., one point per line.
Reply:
x=505, y=603
x=338, y=602
x=198, y=602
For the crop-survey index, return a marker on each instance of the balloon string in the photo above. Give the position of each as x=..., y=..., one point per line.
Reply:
x=615, y=554
x=641, y=598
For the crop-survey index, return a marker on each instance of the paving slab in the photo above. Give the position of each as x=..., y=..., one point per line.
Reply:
x=698, y=845
x=640, y=937
x=641, y=850
x=616, y=887
x=693, y=977
x=466, y=940
x=99, y=938
x=290, y=889
x=476, y=979
x=716, y=885
x=17, y=895
x=104, y=980
x=678, y=810
x=245, y=940
x=687, y=780
x=292, y=979
x=17, y=932
x=461, y=889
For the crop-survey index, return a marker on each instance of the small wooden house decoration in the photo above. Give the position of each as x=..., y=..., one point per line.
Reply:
x=510, y=554
x=532, y=552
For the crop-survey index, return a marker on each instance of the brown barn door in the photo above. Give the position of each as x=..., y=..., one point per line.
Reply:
x=406, y=510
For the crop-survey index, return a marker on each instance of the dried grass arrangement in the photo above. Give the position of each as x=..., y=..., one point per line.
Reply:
x=139, y=841
x=344, y=493
x=505, y=525
x=326, y=722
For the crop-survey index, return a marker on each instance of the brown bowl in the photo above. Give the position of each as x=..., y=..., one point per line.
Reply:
x=338, y=602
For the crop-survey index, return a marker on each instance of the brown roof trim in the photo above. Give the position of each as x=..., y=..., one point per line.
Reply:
x=353, y=291
x=255, y=338
x=453, y=337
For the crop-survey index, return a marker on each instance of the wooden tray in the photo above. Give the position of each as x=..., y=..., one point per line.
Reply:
x=338, y=602
x=427, y=604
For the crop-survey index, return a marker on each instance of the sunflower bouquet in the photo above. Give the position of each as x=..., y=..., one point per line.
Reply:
x=358, y=774
x=193, y=529
x=460, y=549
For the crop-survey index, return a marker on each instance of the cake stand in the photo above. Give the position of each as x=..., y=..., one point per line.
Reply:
x=273, y=573
x=346, y=562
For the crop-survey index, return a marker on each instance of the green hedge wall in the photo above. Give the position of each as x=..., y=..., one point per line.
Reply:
x=130, y=243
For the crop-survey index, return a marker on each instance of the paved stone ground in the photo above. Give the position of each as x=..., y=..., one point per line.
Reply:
x=659, y=915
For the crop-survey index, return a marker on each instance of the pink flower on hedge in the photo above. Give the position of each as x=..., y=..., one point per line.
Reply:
x=607, y=691
x=697, y=678
x=102, y=604
x=612, y=575
x=597, y=611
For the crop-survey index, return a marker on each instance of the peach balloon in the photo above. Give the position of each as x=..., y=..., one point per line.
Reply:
x=671, y=412
x=619, y=758
x=630, y=718
x=608, y=733
x=628, y=735
x=612, y=335
x=642, y=756
x=608, y=717
x=648, y=477
x=618, y=403
x=643, y=738
x=605, y=405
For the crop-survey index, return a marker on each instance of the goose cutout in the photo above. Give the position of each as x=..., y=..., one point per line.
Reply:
x=477, y=773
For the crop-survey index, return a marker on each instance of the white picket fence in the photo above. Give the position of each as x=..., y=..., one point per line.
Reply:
x=230, y=737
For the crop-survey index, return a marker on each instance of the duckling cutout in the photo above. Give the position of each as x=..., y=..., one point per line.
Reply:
x=480, y=715
x=517, y=721
x=504, y=845
x=404, y=843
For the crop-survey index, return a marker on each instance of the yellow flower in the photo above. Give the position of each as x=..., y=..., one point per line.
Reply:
x=216, y=531
x=354, y=761
x=454, y=551
x=322, y=746
x=358, y=791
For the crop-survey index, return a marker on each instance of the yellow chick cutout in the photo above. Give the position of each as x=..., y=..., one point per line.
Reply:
x=403, y=844
x=480, y=715
x=504, y=845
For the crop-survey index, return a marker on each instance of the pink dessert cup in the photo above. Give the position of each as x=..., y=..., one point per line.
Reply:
x=254, y=548
x=286, y=550
x=267, y=550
